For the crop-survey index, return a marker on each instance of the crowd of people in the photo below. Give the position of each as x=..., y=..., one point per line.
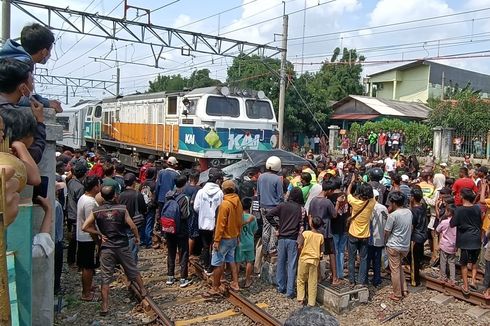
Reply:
x=371, y=202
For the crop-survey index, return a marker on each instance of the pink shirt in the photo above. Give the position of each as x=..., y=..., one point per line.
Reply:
x=448, y=237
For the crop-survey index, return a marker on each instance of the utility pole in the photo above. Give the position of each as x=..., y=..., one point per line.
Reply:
x=118, y=81
x=282, y=84
x=442, y=85
x=5, y=20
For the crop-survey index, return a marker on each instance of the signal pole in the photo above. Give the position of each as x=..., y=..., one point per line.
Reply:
x=282, y=84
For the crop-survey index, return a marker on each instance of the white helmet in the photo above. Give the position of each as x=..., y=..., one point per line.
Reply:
x=273, y=163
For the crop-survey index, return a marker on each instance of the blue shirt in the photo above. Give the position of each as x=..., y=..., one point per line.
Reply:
x=269, y=190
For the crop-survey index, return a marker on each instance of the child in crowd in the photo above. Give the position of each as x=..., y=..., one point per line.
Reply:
x=447, y=244
x=310, y=245
x=245, y=249
x=467, y=220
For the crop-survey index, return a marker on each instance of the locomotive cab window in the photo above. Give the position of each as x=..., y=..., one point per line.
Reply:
x=223, y=106
x=98, y=112
x=172, y=105
x=258, y=109
x=65, y=122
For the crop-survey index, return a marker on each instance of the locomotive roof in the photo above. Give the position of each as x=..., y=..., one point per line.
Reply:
x=215, y=90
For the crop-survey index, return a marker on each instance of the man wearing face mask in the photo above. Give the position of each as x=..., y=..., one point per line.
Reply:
x=16, y=81
x=37, y=42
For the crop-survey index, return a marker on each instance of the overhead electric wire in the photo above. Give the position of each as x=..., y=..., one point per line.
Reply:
x=389, y=31
x=391, y=24
x=83, y=36
x=274, y=18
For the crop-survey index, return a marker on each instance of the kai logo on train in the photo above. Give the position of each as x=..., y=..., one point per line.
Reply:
x=243, y=141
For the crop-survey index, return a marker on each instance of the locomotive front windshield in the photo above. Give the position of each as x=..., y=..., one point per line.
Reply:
x=258, y=109
x=223, y=106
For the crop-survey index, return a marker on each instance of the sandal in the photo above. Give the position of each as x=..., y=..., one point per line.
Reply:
x=473, y=287
x=234, y=287
x=103, y=313
x=466, y=292
x=93, y=298
x=247, y=285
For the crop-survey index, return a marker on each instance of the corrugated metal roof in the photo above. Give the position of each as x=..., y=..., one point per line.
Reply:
x=353, y=116
x=389, y=107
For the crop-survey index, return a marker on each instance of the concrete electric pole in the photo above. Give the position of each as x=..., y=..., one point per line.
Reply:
x=282, y=84
x=5, y=20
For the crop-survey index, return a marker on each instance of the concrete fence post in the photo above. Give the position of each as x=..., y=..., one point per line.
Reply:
x=437, y=142
x=333, y=135
x=42, y=268
x=447, y=141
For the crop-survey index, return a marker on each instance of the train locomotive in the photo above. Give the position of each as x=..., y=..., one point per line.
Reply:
x=211, y=126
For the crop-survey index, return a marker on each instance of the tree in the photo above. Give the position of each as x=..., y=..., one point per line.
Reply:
x=174, y=83
x=468, y=113
x=167, y=83
x=200, y=78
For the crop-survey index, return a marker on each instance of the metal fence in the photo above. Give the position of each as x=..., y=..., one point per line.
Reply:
x=469, y=143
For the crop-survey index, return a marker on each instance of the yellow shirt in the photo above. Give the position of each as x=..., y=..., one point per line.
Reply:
x=486, y=219
x=311, y=247
x=359, y=227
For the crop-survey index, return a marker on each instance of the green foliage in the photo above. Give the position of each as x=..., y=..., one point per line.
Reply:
x=174, y=83
x=418, y=135
x=167, y=83
x=468, y=113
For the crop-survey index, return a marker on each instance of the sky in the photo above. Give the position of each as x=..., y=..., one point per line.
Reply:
x=386, y=32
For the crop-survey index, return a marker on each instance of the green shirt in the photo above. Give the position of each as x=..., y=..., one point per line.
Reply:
x=112, y=183
x=247, y=234
x=373, y=137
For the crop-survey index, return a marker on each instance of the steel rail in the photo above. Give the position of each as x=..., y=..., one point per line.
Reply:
x=245, y=306
x=475, y=298
x=161, y=316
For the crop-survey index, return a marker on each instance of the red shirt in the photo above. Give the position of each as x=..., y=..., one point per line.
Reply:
x=143, y=169
x=382, y=139
x=460, y=184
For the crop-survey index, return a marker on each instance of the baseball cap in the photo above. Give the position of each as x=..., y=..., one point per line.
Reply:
x=228, y=184
x=172, y=161
x=375, y=193
x=129, y=178
x=405, y=178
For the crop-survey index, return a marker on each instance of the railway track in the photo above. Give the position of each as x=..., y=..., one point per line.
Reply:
x=159, y=312
x=433, y=282
x=244, y=305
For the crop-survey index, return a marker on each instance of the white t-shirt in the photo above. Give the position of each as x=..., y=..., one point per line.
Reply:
x=84, y=207
x=390, y=164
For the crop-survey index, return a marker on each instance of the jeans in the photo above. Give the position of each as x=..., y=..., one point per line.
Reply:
x=287, y=260
x=207, y=241
x=374, y=258
x=72, y=245
x=416, y=257
x=361, y=246
x=58, y=265
x=148, y=229
x=182, y=243
x=339, y=242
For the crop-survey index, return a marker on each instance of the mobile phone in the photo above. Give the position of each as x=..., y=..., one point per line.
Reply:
x=41, y=189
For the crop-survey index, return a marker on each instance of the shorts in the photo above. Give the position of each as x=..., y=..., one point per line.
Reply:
x=225, y=252
x=329, y=248
x=244, y=256
x=469, y=256
x=110, y=257
x=345, y=151
x=87, y=255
